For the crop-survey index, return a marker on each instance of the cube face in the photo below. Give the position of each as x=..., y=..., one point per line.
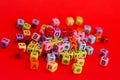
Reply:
x=39, y=50
x=4, y=42
x=34, y=64
x=66, y=45
x=50, y=57
x=84, y=54
x=30, y=48
x=19, y=37
x=55, y=22
x=57, y=32
x=87, y=29
x=26, y=32
x=22, y=46
x=104, y=61
x=46, y=45
x=91, y=39
x=98, y=37
x=34, y=55
x=81, y=45
x=73, y=44
x=79, y=20
x=66, y=60
x=98, y=31
x=52, y=66
x=35, y=23
x=49, y=32
x=26, y=26
x=20, y=23
x=77, y=54
x=89, y=50
x=77, y=68
x=59, y=47
x=69, y=21
x=81, y=61
x=36, y=36
x=70, y=53
x=103, y=52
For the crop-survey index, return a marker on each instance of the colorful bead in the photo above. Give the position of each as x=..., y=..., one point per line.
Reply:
x=87, y=29
x=55, y=22
x=77, y=68
x=22, y=46
x=51, y=57
x=35, y=23
x=19, y=37
x=34, y=55
x=89, y=50
x=36, y=36
x=98, y=31
x=34, y=64
x=65, y=59
x=79, y=21
x=103, y=52
x=4, y=42
x=57, y=32
x=104, y=61
x=30, y=48
x=81, y=45
x=46, y=45
x=98, y=38
x=91, y=39
x=69, y=21
x=59, y=47
x=26, y=26
x=26, y=32
x=66, y=45
x=39, y=50
x=20, y=23
x=52, y=66
x=81, y=61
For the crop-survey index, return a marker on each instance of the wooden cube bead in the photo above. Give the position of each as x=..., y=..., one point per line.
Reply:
x=104, y=61
x=65, y=59
x=35, y=23
x=89, y=50
x=34, y=64
x=19, y=37
x=26, y=26
x=52, y=66
x=81, y=45
x=81, y=61
x=34, y=55
x=4, y=42
x=20, y=23
x=30, y=48
x=36, y=36
x=55, y=22
x=66, y=45
x=57, y=32
x=98, y=31
x=69, y=21
x=103, y=52
x=26, y=32
x=87, y=29
x=76, y=68
x=50, y=57
x=91, y=39
x=79, y=21
x=22, y=46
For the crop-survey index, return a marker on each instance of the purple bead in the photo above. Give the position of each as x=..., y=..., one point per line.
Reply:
x=35, y=23
x=19, y=37
x=57, y=32
x=98, y=31
x=103, y=52
x=20, y=23
x=4, y=42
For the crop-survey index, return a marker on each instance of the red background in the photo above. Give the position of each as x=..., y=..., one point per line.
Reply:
x=104, y=13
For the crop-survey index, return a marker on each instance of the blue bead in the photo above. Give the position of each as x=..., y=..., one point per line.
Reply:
x=50, y=57
x=66, y=45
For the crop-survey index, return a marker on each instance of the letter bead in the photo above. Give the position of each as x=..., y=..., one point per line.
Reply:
x=4, y=42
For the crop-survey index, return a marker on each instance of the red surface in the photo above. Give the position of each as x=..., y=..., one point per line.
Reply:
x=104, y=13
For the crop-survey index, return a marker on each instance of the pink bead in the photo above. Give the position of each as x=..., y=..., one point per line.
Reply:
x=36, y=36
x=55, y=22
x=82, y=35
x=46, y=45
x=104, y=61
x=59, y=47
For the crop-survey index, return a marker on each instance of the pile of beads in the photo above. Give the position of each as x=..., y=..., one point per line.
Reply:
x=65, y=43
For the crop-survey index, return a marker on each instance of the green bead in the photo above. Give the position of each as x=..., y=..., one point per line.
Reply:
x=66, y=60
x=30, y=48
x=76, y=68
x=79, y=21
x=34, y=55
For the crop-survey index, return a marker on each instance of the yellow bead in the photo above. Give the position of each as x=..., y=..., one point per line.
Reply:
x=79, y=21
x=81, y=61
x=61, y=54
x=26, y=32
x=76, y=68
x=30, y=48
x=26, y=26
x=34, y=42
x=84, y=54
x=52, y=66
x=69, y=21
x=77, y=54
x=65, y=59
x=70, y=53
x=22, y=46
x=43, y=26
x=39, y=50
x=34, y=55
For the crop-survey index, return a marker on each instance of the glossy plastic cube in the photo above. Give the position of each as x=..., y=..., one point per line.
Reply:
x=59, y=47
x=91, y=39
x=65, y=59
x=87, y=29
x=26, y=32
x=47, y=45
x=22, y=46
x=26, y=26
x=4, y=42
x=52, y=66
x=81, y=45
x=98, y=31
x=103, y=52
x=57, y=32
x=76, y=68
x=79, y=21
x=81, y=61
x=66, y=45
x=20, y=23
x=36, y=36
x=35, y=23
x=50, y=57
x=19, y=37
x=104, y=61
x=69, y=21
x=89, y=50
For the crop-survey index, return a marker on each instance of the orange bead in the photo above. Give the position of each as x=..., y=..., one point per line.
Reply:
x=98, y=37
x=73, y=44
x=34, y=64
